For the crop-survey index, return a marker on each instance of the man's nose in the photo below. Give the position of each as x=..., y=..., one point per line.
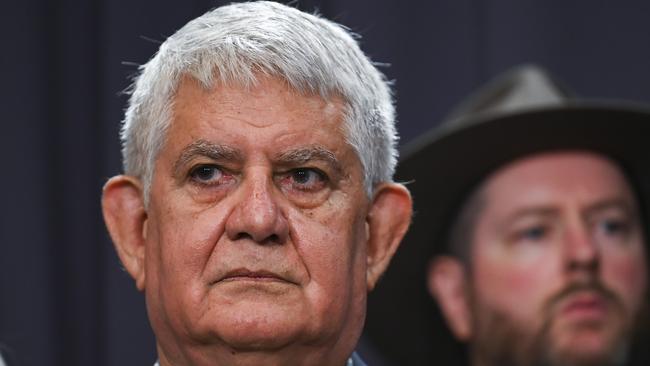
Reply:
x=257, y=215
x=581, y=249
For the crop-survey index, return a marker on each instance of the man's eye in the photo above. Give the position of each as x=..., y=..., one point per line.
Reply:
x=532, y=234
x=206, y=174
x=306, y=179
x=612, y=227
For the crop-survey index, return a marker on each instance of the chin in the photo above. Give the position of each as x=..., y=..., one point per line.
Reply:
x=590, y=347
x=254, y=338
x=253, y=326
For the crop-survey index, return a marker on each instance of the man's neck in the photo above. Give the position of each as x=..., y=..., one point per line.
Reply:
x=352, y=361
x=259, y=358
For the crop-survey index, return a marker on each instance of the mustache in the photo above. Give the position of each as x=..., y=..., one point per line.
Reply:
x=594, y=286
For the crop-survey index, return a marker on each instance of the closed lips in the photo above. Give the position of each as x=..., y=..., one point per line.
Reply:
x=249, y=275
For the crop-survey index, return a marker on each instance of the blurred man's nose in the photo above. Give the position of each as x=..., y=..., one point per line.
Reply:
x=257, y=215
x=581, y=249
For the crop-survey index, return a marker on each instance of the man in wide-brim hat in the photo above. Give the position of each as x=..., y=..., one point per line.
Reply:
x=529, y=231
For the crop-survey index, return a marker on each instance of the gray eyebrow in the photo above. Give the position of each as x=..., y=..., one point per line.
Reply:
x=208, y=149
x=305, y=154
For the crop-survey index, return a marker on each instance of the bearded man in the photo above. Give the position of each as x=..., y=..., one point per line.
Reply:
x=535, y=205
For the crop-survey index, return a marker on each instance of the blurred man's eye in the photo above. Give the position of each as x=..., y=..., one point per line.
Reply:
x=612, y=229
x=533, y=230
x=612, y=225
x=533, y=233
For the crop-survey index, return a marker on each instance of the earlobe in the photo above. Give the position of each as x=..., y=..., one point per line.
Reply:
x=446, y=279
x=387, y=222
x=126, y=220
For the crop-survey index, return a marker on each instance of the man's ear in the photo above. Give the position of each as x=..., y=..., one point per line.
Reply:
x=447, y=282
x=388, y=219
x=126, y=219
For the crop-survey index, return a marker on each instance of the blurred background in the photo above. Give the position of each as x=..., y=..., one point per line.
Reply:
x=64, y=299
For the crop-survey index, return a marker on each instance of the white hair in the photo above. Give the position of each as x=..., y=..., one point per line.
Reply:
x=237, y=42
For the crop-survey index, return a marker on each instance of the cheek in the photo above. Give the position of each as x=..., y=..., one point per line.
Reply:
x=185, y=242
x=329, y=243
x=515, y=286
x=626, y=275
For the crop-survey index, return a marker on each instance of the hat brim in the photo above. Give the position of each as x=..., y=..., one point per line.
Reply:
x=441, y=168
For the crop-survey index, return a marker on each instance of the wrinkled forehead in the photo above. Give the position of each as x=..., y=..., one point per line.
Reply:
x=241, y=118
x=259, y=85
x=194, y=94
x=269, y=100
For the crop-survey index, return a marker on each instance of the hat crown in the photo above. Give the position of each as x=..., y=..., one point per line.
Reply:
x=524, y=88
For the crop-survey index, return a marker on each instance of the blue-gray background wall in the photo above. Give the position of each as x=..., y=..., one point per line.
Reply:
x=63, y=298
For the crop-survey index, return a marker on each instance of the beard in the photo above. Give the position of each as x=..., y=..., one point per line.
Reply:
x=501, y=341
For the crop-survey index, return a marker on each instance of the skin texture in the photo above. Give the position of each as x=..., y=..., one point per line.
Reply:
x=557, y=272
x=259, y=244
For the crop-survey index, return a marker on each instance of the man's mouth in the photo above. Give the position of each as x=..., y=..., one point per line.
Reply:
x=243, y=274
x=585, y=306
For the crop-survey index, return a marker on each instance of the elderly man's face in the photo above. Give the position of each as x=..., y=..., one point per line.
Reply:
x=557, y=273
x=259, y=233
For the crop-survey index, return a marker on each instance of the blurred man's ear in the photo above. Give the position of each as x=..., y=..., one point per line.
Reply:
x=447, y=282
x=388, y=219
x=126, y=218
